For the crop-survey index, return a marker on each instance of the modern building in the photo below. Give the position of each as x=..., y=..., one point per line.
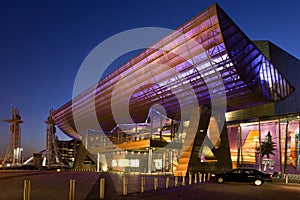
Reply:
x=247, y=127
x=177, y=93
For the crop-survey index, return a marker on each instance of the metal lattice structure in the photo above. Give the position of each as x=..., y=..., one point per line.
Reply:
x=13, y=153
x=221, y=53
x=52, y=156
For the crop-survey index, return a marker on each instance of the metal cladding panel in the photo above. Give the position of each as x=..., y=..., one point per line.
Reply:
x=204, y=52
x=254, y=68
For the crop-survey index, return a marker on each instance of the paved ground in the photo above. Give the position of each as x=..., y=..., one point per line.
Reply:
x=55, y=185
x=45, y=185
x=226, y=191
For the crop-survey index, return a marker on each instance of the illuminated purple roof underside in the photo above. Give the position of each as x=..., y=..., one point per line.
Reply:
x=248, y=76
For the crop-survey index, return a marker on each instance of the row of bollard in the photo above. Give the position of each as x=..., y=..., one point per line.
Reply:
x=197, y=177
x=83, y=170
x=26, y=189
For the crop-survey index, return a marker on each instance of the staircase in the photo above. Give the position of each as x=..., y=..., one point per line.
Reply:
x=187, y=146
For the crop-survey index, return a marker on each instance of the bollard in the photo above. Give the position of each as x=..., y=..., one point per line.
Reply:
x=26, y=190
x=143, y=184
x=102, y=188
x=195, y=179
x=200, y=177
x=183, y=180
x=167, y=182
x=72, y=189
x=190, y=178
x=286, y=179
x=208, y=176
x=125, y=185
x=176, y=181
x=204, y=177
x=155, y=184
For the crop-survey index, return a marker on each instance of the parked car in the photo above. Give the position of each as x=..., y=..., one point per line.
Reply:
x=244, y=175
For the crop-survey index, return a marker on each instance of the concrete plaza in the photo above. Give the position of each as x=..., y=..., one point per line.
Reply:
x=55, y=185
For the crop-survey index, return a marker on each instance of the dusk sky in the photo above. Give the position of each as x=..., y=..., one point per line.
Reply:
x=43, y=43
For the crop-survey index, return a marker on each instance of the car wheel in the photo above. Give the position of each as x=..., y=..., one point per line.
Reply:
x=257, y=182
x=220, y=180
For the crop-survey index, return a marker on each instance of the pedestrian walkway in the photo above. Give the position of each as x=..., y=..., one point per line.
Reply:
x=56, y=186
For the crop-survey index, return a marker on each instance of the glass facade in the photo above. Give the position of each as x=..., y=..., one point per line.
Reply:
x=271, y=145
x=138, y=147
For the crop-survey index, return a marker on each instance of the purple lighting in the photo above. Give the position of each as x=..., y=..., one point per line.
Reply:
x=249, y=78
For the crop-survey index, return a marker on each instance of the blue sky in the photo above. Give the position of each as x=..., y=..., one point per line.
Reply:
x=43, y=44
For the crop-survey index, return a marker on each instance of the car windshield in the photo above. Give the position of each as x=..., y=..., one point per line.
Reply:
x=249, y=171
x=236, y=171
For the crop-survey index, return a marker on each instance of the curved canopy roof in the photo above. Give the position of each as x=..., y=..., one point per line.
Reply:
x=221, y=56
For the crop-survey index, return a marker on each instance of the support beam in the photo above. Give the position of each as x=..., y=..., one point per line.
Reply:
x=221, y=160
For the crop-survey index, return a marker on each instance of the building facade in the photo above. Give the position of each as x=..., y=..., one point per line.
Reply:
x=249, y=128
x=176, y=112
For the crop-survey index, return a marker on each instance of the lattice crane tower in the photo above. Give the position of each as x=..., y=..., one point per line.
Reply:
x=52, y=149
x=13, y=153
